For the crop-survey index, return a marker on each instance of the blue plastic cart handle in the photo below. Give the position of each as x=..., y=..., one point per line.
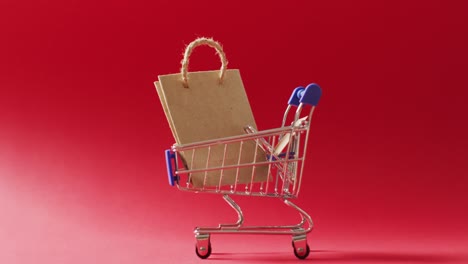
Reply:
x=310, y=95
x=170, y=172
x=294, y=100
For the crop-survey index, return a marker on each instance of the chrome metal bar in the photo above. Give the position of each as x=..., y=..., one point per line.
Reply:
x=261, y=163
x=238, y=165
x=230, y=192
x=298, y=112
x=222, y=165
x=285, y=172
x=296, y=146
x=207, y=163
x=253, y=167
x=191, y=164
x=238, y=228
x=236, y=207
x=305, y=149
x=239, y=223
x=234, y=230
x=270, y=159
x=305, y=216
x=227, y=140
x=285, y=116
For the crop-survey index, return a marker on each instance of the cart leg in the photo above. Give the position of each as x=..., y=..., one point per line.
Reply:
x=239, y=223
x=236, y=207
x=203, y=245
x=305, y=217
x=299, y=239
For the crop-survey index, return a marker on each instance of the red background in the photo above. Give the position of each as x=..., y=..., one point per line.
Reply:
x=82, y=132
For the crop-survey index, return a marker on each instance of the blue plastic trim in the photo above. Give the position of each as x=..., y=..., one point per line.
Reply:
x=170, y=172
x=311, y=95
x=294, y=100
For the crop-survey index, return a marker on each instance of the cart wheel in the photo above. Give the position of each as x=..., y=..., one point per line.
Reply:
x=203, y=252
x=301, y=253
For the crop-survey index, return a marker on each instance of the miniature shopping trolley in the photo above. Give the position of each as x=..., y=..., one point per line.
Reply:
x=282, y=151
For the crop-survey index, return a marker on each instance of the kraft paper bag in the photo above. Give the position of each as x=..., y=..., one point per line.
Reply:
x=210, y=105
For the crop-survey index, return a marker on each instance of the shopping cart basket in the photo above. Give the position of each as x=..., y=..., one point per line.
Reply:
x=284, y=151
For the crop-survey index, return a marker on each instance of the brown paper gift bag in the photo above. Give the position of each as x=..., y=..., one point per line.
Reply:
x=210, y=105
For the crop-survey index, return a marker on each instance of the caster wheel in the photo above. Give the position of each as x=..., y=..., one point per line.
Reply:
x=301, y=253
x=202, y=252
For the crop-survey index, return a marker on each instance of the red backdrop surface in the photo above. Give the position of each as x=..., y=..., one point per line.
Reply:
x=82, y=132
